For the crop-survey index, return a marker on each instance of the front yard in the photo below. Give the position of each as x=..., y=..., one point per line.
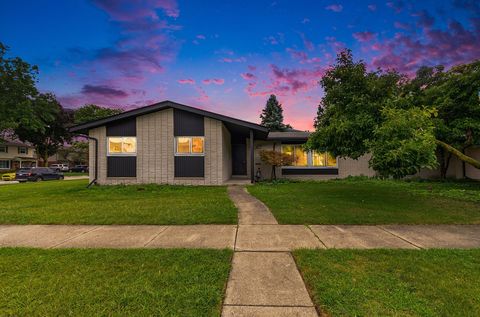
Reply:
x=393, y=282
x=69, y=202
x=91, y=282
x=371, y=202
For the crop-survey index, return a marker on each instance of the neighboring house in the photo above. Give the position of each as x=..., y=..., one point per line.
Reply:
x=15, y=154
x=176, y=144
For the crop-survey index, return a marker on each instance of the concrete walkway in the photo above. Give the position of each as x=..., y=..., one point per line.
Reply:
x=265, y=283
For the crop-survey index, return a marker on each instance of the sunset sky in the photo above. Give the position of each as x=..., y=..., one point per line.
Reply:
x=227, y=56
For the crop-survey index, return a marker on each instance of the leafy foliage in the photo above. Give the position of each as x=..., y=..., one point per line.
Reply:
x=390, y=116
x=54, y=120
x=404, y=143
x=18, y=94
x=352, y=106
x=93, y=112
x=275, y=159
x=272, y=115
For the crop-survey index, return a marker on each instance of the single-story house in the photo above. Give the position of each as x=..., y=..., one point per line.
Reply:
x=172, y=143
x=15, y=154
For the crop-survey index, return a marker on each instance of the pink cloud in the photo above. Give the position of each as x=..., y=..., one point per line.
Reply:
x=200, y=37
x=216, y=81
x=450, y=46
x=335, y=7
x=372, y=7
x=233, y=60
x=400, y=25
x=126, y=10
x=187, y=81
x=364, y=36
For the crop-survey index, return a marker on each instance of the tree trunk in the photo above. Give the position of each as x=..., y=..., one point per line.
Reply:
x=274, y=173
x=462, y=157
x=445, y=163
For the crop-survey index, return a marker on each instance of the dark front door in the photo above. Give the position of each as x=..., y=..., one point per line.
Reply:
x=239, y=159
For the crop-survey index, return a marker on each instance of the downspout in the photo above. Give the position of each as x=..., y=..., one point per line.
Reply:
x=94, y=181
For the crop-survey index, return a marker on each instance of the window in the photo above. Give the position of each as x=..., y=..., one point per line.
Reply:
x=122, y=146
x=189, y=145
x=323, y=159
x=300, y=157
x=22, y=150
x=3, y=149
x=303, y=158
x=5, y=164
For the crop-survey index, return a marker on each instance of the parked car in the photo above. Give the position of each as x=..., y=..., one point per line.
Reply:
x=8, y=177
x=79, y=169
x=36, y=174
x=60, y=167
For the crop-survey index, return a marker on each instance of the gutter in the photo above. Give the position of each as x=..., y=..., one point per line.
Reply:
x=94, y=181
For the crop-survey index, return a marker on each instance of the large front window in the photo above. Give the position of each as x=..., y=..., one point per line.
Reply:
x=122, y=146
x=189, y=145
x=308, y=158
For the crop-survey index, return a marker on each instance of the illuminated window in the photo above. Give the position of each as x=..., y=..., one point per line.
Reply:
x=300, y=157
x=308, y=158
x=122, y=146
x=189, y=145
x=318, y=159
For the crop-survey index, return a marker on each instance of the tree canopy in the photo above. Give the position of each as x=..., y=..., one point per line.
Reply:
x=18, y=93
x=272, y=115
x=92, y=112
x=402, y=122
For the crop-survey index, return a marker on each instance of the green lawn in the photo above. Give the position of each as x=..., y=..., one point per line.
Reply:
x=36, y=282
x=69, y=202
x=371, y=202
x=393, y=282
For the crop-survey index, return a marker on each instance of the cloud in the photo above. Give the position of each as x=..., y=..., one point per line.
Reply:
x=397, y=5
x=233, y=60
x=126, y=10
x=187, y=81
x=401, y=25
x=364, y=36
x=335, y=7
x=216, y=81
x=305, y=20
x=200, y=37
x=103, y=90
x=307, y=43
x=372, y=7
x=449, y=46
x=248, y=76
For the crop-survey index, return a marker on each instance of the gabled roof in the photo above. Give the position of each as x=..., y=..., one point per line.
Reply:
x=84, y=127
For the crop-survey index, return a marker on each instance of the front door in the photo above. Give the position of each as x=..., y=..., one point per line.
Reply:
x=239, y=159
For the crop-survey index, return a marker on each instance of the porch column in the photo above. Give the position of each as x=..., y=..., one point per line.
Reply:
x=252, y=159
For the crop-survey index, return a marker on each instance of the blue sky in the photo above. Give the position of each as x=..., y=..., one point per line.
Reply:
x=227, y=56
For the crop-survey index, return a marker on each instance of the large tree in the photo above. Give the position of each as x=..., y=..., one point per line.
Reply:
x=17, y=94
x=55, y=132
x=92, y=112
x=272, y=115
x=399, y=121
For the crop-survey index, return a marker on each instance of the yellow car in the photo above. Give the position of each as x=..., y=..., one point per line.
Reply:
x=8, y=177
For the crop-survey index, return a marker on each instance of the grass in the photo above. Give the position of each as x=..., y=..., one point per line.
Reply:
x=70, y=202
x=393, y=282
x=371, y=202
x=75, y=174
x=36, y=282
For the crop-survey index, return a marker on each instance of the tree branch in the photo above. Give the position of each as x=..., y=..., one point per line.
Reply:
x=465, y=158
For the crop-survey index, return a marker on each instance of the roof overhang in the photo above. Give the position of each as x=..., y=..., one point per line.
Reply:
x=259, y=131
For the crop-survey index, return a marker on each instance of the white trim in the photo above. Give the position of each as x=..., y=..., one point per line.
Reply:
x=121, y=154
x=191, y=145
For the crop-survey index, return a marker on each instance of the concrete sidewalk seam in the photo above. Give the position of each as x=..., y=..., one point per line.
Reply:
x=323, y=243
x=401, y=238
x=151, y=240
x=77, y=236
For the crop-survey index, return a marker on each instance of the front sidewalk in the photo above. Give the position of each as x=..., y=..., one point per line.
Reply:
x=248, y=237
